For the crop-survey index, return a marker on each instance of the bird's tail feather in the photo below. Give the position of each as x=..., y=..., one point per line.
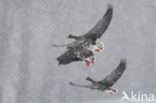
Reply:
x=110, y=92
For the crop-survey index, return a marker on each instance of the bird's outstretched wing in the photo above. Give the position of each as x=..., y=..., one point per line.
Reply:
x=85, y=86
x=101, y=25
x=67, y=58
x=116, y=74
x=72, y=44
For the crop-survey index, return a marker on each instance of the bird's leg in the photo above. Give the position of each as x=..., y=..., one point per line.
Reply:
x=86, y=62
x=92, y=59
x=113, y=90
x=97, y=50
x=99, y=46
x=110, y=91
x=94, y=48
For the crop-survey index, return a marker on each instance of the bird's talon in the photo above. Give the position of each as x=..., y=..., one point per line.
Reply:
x=97, y=50
x=87, y=63
x=100, y=48
x=113, y=90
x=92, y=60
x=110, y=93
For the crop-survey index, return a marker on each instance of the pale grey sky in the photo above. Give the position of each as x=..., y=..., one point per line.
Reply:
x=29, y=72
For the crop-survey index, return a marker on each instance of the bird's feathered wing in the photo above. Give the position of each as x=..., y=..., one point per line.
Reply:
x=67, y=57
x=102, y=24
x=116, y=74
x=85, y=86
x=72, y=44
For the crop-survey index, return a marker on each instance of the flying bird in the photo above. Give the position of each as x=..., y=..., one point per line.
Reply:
x=90, y=38
x=70, y=55
x=89, y=41
x=106, y=83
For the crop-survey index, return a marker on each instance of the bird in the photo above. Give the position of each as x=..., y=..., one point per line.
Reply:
x=72, y=55
x=91, y=37
x=87, y=42
x=106, y=83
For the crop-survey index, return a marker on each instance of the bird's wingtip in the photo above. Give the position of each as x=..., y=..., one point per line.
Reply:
x=110, y=6
x=123, y=60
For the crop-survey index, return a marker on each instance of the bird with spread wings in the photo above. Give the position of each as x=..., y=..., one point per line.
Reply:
x=84, y=45
x=106, y=83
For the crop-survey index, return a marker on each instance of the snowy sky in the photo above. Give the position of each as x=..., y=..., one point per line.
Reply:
x=29, y=72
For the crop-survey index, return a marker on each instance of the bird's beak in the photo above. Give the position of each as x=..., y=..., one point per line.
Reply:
x=67, y=36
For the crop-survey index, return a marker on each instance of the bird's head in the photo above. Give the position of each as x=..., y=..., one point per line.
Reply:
x=69, y=36
x=87, y=78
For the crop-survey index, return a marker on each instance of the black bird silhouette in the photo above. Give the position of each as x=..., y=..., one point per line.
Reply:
x=84, y=42
x=108, y=81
